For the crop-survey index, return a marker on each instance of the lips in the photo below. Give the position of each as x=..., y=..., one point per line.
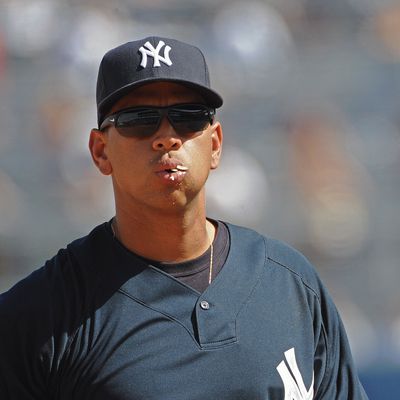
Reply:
x=171, y=165
x=171, y=170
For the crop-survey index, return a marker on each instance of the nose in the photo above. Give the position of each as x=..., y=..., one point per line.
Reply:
x=166, y=138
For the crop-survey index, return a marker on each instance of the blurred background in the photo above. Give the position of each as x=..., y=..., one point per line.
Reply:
x=312, y=137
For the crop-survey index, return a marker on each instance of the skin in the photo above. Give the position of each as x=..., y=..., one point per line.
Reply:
x=158, y=218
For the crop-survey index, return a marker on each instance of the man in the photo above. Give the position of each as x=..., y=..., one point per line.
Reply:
x=161, y=302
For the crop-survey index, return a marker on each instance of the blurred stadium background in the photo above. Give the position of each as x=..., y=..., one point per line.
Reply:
x=312, y=137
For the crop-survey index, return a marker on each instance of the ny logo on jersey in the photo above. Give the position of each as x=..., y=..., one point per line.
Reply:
x=292, y=379
x=155, y=53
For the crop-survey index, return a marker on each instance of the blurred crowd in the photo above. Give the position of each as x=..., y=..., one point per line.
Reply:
x=311, y=121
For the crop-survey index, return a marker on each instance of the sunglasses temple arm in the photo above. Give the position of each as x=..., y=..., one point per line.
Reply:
x=106, y=123
x=212, y=116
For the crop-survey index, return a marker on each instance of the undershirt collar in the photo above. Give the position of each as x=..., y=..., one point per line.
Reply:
x=194, y=273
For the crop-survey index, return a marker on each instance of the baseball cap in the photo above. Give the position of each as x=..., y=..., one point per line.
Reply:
x=151, y=59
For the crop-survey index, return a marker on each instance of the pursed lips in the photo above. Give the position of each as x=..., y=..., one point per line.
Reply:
x=171, y=170
x=170, y=164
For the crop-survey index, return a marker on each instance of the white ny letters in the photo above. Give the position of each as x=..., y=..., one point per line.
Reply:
x=155, y=53
x=292, y=380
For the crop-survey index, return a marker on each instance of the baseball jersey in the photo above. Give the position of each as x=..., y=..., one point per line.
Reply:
x=96, y=323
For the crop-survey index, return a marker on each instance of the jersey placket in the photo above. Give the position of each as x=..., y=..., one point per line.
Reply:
x=216, y=309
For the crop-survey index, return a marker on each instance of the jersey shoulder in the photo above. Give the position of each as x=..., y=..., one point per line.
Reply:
x=63, y=277
x=282, y=256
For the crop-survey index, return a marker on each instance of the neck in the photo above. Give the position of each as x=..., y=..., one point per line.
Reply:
x=165, y=237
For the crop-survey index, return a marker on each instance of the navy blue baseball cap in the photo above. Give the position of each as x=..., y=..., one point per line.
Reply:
x=151, y=59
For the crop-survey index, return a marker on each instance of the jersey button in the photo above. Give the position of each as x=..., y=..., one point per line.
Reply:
x=205, y=305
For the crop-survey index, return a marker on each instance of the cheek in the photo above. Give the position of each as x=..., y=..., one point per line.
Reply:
x=201, y=151
x=121, y=150
x=201, y=159
x=126, y=159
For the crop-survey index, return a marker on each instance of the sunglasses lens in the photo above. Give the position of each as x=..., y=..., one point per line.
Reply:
x=189, y=118
x=144, y=122
x=139, y=123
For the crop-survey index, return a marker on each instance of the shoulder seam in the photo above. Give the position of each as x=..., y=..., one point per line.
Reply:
x=297, y=274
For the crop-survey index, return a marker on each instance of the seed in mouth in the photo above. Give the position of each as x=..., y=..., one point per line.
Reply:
x=178, y=168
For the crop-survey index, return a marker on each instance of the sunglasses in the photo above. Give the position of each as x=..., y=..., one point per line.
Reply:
x=143, y=121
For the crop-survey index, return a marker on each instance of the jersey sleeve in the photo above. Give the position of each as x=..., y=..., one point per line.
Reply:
x=339, y=377
x=22, y=365
x=33, y=337
x=335, y=374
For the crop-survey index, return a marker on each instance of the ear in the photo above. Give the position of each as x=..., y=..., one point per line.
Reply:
x=216, y=137
x=97, y=147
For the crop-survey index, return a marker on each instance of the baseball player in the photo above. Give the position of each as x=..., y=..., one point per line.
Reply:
x=162, y=302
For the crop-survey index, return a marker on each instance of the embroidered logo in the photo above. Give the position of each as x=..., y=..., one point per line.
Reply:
x=149, y=50
x=292, y=379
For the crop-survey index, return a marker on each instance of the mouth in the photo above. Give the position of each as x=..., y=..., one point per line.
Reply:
x=172, y=172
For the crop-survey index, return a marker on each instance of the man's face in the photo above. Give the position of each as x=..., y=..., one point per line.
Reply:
x=141, y=167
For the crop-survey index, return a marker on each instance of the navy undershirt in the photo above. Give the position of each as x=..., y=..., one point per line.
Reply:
x=195, y=273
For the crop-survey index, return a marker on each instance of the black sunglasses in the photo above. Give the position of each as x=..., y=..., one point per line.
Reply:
x=144, y=121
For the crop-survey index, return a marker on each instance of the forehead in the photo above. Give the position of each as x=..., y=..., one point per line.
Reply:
x=158, y=94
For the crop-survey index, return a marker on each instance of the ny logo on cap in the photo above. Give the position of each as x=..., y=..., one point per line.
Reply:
x=155, y=53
